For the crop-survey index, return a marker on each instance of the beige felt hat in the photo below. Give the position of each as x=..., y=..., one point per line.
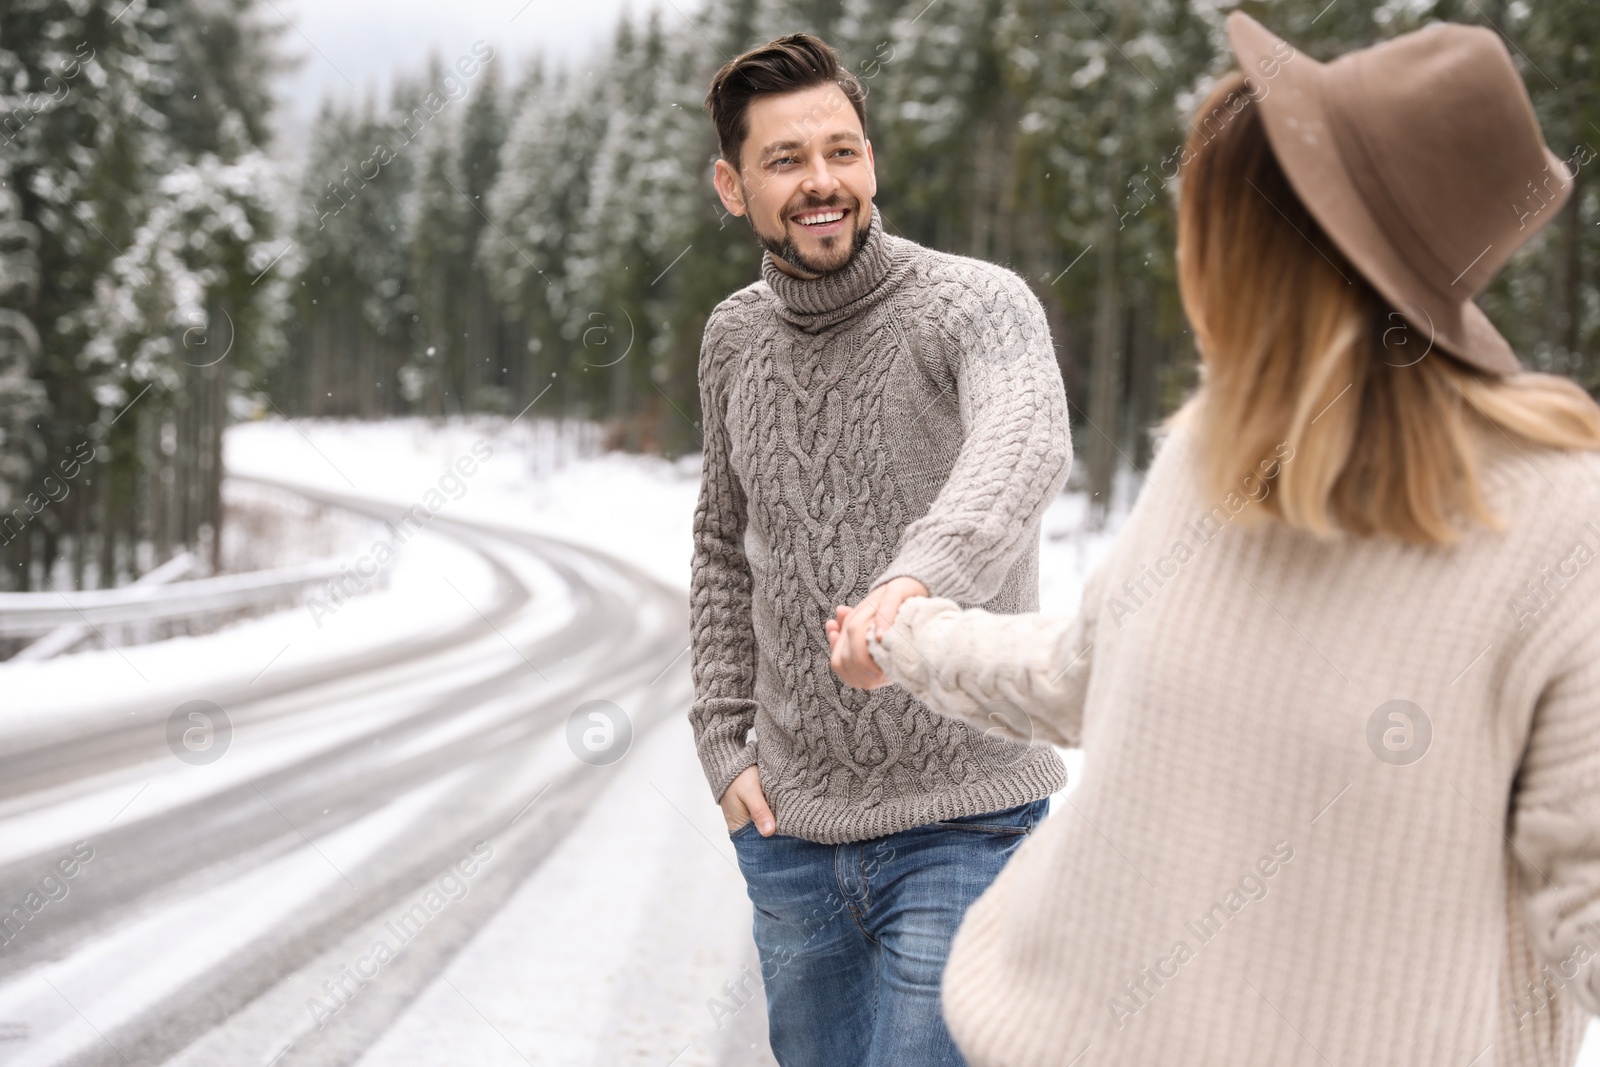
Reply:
x=1422, y=160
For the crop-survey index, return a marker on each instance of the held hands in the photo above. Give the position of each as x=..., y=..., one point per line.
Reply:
x=847, y=634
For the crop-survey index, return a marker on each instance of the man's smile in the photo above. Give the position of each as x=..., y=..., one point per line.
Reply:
x=822, y=221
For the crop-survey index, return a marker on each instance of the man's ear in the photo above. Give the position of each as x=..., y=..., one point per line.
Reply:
x=727, y=184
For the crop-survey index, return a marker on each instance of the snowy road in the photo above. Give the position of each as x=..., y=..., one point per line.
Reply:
x=373, y=854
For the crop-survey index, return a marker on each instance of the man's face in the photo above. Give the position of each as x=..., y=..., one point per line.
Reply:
x=805, y=179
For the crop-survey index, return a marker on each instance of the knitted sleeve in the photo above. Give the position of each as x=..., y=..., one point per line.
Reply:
x=1025, y=676
x=1016, y=448
x=1555, y=817
x=722, y=634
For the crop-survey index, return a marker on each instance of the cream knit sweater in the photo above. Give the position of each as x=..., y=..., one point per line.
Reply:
x=1269, y=860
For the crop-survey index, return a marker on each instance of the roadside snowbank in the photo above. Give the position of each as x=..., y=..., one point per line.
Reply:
x=68, y=692
x=554, y=480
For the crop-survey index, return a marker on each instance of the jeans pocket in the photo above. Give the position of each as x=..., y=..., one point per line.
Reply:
x=743, y=829
x=981, y=827
x=1015, y=821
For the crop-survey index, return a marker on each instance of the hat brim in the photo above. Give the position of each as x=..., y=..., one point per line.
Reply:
x=1294, y=112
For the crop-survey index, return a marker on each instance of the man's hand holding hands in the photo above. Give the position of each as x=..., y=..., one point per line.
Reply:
x=848, y=633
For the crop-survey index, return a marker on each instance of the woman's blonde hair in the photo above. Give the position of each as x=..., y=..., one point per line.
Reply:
x=1301, y=357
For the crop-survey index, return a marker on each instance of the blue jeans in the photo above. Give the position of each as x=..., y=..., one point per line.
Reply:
x=853, y=938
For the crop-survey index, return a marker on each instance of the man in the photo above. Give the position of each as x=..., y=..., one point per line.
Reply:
x=881, y=421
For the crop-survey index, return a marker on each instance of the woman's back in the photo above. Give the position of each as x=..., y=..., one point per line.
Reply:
x=1291, y=838
x=1338, y=683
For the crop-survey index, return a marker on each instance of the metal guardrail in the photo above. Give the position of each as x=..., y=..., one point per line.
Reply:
x=64, y=638
x=32, y=614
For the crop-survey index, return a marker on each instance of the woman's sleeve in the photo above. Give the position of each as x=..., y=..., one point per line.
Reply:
x=1555, y=822
x=986, y=668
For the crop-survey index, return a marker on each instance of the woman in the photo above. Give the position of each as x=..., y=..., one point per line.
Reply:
x=1338, y=682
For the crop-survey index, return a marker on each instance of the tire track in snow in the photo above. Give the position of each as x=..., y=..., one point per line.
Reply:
x=625, y=629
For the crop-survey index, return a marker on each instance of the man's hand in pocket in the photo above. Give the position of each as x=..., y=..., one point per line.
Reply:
x=743, y=800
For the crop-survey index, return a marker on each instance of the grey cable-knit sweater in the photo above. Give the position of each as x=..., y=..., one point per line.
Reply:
x=1340, y=799
x=903, y=416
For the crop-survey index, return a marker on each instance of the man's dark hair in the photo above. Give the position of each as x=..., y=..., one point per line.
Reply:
x=785, y=65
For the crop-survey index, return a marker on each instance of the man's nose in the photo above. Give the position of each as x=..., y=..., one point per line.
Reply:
x=820, y=182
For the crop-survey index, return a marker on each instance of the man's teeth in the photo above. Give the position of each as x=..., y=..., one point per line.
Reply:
x=819, y=219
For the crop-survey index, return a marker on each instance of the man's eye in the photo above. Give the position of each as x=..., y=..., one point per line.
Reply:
x=781, y=160
x=845, y=152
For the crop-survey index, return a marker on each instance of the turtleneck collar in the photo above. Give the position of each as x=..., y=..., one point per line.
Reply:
x=816, y=303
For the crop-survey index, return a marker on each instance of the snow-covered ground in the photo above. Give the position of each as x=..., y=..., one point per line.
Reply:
x=649, y=863
x=537, y=476
x=662, y=955
x=637, y=507
x=648, y=957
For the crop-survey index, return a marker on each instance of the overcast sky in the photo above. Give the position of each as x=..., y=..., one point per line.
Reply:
x=350, y=47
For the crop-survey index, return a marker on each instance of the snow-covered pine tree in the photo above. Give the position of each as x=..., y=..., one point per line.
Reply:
x=537, y=205
x=489, y=356
x=22, y=399
x=1042, y=134
x=132, y=143
x=634, y=240
x=438, y=223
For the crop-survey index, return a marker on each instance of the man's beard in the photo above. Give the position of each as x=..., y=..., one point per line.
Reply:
x=786, y=250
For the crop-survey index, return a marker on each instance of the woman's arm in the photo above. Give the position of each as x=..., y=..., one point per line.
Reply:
x=1024, y=676
x=1555, y=831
